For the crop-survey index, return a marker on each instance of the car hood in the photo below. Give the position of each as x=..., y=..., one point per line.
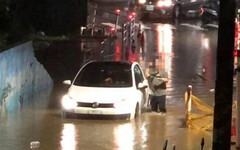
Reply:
x=101, y=95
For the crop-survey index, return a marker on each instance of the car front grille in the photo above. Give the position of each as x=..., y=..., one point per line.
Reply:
x=93, y=105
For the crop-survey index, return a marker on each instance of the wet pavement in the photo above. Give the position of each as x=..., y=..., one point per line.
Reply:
x=185, y=51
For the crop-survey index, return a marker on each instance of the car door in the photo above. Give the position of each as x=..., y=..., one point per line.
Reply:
x=198, y=4
x=187, y=6
x=139, y=78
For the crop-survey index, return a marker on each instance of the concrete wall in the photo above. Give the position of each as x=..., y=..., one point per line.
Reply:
x=23, y=80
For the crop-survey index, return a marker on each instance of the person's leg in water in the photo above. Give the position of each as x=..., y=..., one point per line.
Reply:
x=154, y=103
x=162, y=103
x=148, y=102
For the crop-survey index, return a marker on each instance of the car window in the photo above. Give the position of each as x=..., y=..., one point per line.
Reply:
x=138, y=75
x=211, y=4
x=105, y=74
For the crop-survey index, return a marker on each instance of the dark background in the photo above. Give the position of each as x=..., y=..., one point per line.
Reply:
x=20, y=18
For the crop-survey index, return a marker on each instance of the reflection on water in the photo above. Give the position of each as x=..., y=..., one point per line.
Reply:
x=144, y=135
x=164, y=43
x=118, y=53
x=205, y=43
x=207, y=63
x=164, y=33
x=68, y=141
x=129, y=137
x=124, y=137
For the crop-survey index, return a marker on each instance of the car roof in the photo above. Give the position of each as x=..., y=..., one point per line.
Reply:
x=112, y=61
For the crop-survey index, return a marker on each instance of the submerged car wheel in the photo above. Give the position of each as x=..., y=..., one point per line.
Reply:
x=137, y=111
x=205, y=19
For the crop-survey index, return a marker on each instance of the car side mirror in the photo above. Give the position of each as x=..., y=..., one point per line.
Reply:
x=67, y=82
x=142, y=85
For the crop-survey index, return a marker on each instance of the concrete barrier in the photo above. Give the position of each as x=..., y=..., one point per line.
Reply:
x=23, y=80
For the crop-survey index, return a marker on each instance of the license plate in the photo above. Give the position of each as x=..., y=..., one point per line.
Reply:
x=149, y=7
x=94, y=112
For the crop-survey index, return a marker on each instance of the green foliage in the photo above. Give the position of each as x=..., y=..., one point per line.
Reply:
x=24, y=17
x=3, y=38
x=4, y=24
x=4, y=17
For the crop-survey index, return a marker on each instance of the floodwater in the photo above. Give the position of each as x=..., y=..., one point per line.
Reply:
x=185, y=51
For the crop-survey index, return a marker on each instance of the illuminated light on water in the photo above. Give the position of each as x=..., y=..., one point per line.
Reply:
x=164, y=42
x=164, y=38
x=68, y=141
x=131, y=56
x=144, y=134
x=205, y=43
x=124, y=137
x=206, y=64
x=117, y=51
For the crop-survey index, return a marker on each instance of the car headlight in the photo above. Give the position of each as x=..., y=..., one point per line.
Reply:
x=68, y=102
x=164, y=3
x=141, y=1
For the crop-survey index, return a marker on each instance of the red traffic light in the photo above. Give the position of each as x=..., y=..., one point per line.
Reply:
x=133, y=13
x=235, y=53
x=130, y=16
x=117, y=11
x=111, y=29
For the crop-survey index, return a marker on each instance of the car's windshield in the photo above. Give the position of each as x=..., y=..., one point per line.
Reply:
x=105, y=74
x=211, y=4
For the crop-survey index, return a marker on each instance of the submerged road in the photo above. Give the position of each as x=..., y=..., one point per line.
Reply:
x=186, y=51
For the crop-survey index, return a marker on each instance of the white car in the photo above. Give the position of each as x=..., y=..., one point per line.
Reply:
x=107, y=88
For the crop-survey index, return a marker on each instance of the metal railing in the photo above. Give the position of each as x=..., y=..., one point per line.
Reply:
x=124, y=34
x=165, y=144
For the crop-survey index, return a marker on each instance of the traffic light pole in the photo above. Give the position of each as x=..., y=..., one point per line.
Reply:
x=124, y=41
x=128, y=33
x=117, y=13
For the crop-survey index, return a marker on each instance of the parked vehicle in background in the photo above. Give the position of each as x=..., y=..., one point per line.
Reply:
x=108, y=89
x=173, y=9
x=209, y=12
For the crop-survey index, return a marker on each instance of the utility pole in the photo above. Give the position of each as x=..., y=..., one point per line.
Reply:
x=117, y=13
x=238, y=82
x=224, y=77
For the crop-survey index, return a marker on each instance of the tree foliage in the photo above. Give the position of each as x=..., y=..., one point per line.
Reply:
x=19, y=18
